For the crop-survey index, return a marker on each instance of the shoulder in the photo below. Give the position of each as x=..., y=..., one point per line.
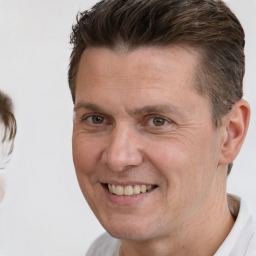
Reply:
x=251, y=233
x=104, y=245
x=251, y=250
x=242, y=237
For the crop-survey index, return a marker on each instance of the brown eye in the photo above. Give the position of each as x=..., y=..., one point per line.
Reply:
x=95, y=119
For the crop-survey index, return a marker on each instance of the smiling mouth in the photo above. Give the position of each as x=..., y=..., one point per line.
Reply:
x=129, y=190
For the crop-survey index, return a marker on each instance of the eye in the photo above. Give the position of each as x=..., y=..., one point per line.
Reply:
x=94, y=119
x=157, y=121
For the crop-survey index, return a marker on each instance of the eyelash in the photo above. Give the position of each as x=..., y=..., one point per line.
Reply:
x=146, y=120
x=154, y=117
x=86, y=117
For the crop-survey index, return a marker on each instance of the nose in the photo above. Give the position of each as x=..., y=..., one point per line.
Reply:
x=123, y=150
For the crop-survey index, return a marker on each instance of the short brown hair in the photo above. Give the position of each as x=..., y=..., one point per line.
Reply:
x=207, y=25
x=8, y=121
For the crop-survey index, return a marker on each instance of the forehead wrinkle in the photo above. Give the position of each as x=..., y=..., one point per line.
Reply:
x=92, y=78
x=87, y=105
x=148, y=109
x=162, y=108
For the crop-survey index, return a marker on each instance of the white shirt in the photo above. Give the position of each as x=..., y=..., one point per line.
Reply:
x=241, y=240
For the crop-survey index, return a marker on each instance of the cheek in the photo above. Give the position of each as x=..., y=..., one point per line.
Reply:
x=168, y=157
x=85, y=162
x=85, y=154
x=187, y=168
x=188, y=176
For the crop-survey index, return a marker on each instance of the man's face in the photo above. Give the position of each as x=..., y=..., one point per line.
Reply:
x=141, y=125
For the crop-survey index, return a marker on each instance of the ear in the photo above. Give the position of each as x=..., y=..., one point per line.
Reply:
x=235, y=127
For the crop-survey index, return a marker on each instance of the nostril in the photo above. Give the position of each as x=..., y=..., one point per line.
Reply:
x=122, y=152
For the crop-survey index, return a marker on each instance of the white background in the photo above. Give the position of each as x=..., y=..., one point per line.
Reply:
x=44, y=213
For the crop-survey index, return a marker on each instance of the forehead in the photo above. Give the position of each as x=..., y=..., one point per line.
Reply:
x=120, y=83
x=142, y=77
x=149, y=63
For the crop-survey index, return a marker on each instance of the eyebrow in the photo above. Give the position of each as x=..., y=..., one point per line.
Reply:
x=162, y=108
x=148, y=109
x=87, y=105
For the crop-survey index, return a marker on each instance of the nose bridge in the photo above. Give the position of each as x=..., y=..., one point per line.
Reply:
x=123, y=149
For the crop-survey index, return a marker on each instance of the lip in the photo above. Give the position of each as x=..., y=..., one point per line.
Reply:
x=126, y=183
x=126, y=200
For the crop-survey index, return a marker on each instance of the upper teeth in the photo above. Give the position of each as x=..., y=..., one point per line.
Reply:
x=128, y=190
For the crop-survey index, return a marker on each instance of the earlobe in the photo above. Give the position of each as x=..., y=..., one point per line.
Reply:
x=236, y=125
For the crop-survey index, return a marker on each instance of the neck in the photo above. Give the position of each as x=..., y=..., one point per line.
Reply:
x=201, y=235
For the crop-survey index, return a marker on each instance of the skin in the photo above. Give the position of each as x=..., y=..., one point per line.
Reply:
x=185, y=156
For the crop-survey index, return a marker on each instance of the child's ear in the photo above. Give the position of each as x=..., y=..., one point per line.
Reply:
x=234, y=131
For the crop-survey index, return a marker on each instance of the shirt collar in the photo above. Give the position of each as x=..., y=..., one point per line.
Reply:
x=242, y=232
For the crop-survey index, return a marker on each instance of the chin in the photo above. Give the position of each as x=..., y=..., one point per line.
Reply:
x=129, y=230
x=129, y=235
